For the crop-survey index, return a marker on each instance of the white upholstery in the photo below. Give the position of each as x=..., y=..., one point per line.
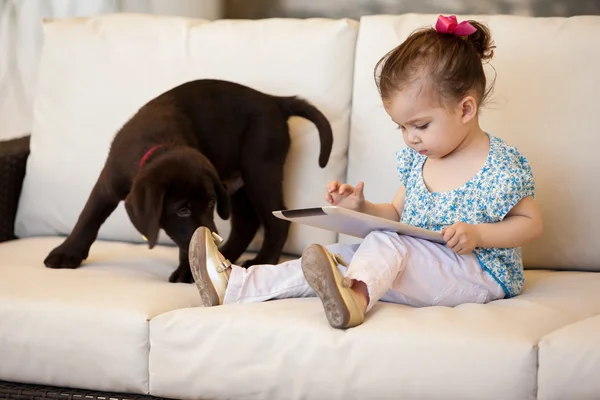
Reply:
x=64, y=327
x=91, y=81
x=20, y=43
x=88, y=327
x=570, y=361
x=286, y=349
x=544, y=103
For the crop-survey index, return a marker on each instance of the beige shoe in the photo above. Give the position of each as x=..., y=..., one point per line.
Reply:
x=209, y=267
x=322, y=274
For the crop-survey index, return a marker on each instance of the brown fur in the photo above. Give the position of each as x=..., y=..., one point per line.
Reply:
x=211, y=132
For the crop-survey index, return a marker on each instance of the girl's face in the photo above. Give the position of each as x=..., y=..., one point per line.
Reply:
x=433, y=129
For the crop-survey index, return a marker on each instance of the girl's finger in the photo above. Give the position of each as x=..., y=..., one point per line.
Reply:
x=452, y=242
x=333, y=186
x=448, y=234
x=359, y=188
x=346, y=189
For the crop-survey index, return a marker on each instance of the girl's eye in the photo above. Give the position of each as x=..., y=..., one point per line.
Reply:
x=422, y=127
x=400, y=127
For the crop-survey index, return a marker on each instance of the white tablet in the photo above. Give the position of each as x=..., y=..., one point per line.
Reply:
x=353, y=223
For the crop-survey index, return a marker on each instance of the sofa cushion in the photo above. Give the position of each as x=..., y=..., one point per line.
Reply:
x=88, y=327
x=570, y=362
x=544, y=103
x=96, y=72
x=285, y=349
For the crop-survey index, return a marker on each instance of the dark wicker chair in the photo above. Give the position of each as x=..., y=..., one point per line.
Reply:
x=13, y=160
x=9, y=390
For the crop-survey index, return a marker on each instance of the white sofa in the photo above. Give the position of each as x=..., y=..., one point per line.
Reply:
x=117, y=325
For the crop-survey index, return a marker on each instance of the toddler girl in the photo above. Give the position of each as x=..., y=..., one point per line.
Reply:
x=455, y=178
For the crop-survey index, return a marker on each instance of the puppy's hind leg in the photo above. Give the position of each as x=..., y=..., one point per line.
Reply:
x=100, y=204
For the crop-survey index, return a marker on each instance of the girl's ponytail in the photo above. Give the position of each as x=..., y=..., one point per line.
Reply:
x=482, y=41
x=449, y=58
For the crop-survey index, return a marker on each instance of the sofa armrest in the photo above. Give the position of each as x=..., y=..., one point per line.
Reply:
x=13, y=159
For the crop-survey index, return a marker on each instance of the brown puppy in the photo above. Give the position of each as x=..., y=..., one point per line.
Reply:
x=169, y=163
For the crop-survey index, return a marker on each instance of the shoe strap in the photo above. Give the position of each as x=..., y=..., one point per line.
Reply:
x=223, y=266
x=339, y=259
x=216, y=238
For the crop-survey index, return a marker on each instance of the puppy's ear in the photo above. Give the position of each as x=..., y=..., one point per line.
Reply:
x=223, y=201
x=144, y=205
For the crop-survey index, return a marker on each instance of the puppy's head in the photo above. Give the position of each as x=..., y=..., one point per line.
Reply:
x=177, y=192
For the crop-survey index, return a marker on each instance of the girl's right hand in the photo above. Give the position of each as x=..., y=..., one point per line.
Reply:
x=346, y=196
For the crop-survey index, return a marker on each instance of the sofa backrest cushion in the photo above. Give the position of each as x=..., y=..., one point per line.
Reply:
x=96, y=72
x=545, y=103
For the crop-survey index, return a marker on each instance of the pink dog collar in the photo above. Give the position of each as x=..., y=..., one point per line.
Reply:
x=148, y=154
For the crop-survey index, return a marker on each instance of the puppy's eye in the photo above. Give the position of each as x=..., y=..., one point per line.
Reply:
x=184, y=212
x=211, y=204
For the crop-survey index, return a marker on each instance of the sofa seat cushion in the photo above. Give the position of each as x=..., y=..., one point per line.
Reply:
x=286, y=349
x=570, y=362
x=87, y=327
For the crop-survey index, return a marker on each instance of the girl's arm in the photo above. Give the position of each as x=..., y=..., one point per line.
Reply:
x=350, y=197
x=521, y=225
x=391, y=210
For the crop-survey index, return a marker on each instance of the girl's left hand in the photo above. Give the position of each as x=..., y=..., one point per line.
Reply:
x=461, y=238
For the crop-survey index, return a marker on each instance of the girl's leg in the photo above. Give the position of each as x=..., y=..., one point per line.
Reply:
x=219, y=282
x=281, y=281
x=377, y=263
x=433, y=275
x=416, y=272
x=399, y=269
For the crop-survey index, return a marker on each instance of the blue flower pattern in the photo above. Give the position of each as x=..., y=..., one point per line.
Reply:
x=504, y=180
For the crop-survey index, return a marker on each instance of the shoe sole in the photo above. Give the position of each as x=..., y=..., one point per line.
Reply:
x=197, y=255
x=323, y=275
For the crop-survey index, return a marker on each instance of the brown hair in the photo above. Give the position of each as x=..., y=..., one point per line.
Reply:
x=452, y=64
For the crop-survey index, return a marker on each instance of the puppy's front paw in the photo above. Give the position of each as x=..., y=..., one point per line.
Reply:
x=63, y=257
x=182, y=274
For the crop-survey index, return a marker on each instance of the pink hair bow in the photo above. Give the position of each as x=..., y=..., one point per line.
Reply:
x=451, y=25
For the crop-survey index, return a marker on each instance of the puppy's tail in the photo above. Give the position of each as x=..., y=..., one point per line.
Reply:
x=302, y=108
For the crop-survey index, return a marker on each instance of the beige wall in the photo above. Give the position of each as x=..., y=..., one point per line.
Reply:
x=21, y=41
x=356, y=8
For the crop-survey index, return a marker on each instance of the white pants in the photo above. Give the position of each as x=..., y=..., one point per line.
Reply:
x=397, y=269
